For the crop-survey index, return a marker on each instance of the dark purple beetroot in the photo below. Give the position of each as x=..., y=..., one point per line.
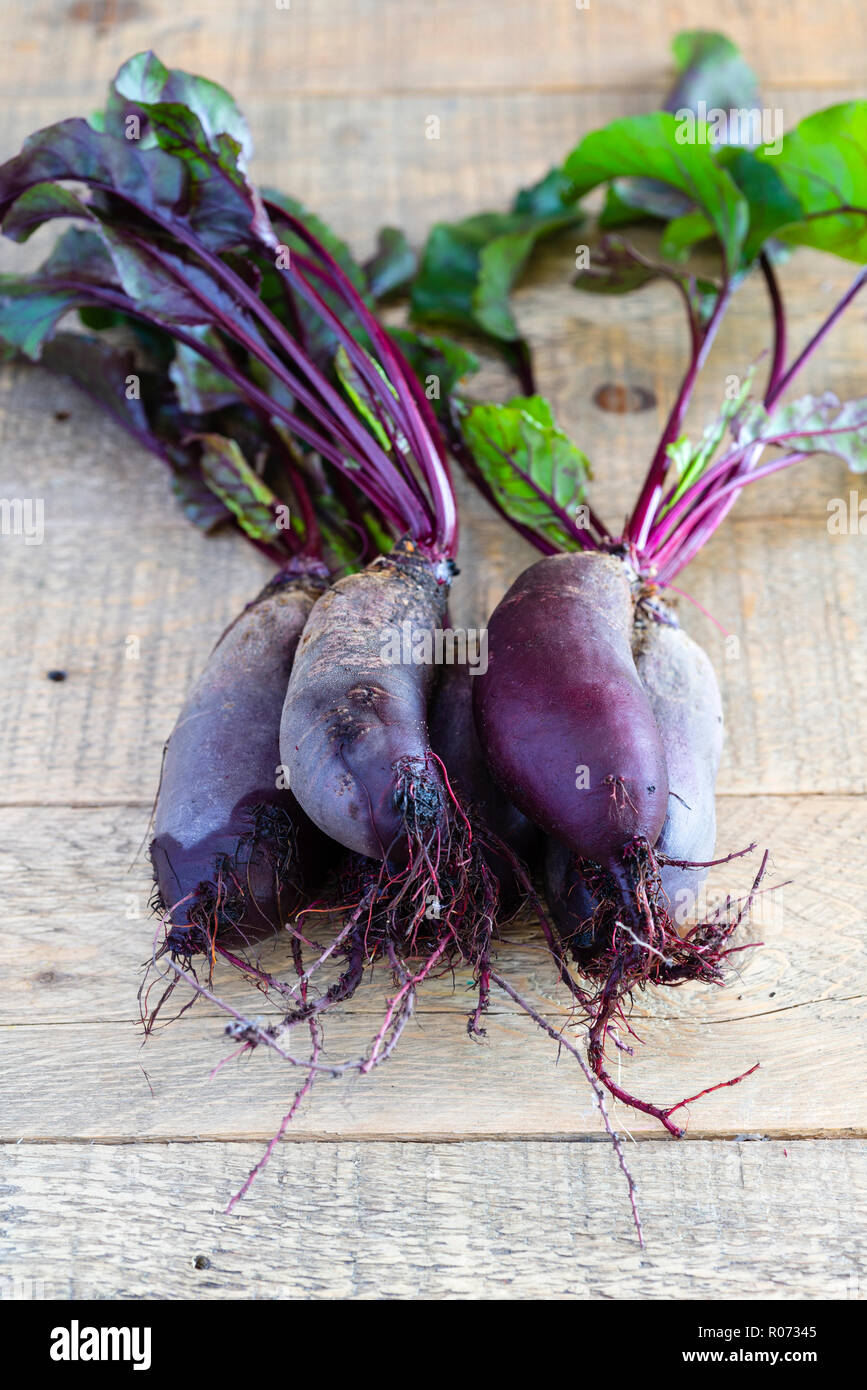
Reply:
x=562, y=716
x=571, y=903
x=232, y=848
x=454, y=739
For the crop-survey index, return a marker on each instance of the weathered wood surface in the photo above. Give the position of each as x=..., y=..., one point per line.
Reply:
x=318, y=47
x=90, y=1082
x=795, y=1005
x=438, y=1221
x=337, y=95
x=78, y=926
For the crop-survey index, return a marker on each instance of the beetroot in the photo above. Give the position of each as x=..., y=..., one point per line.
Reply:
x=563, y=718
x=684, y=698
x=354, y=733
x=454, y=739
x=232, y=848
x=570, y=900
x=564, y=695
x=579, y=742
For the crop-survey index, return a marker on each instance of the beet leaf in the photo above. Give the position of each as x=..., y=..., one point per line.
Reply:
x=531, y=467
x=823, y=166
x=811, y=425
x=468, y=269
x=393, y=266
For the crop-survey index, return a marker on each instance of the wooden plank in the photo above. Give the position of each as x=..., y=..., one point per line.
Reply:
x=113, y=605
x=92, y=1082
x=428, y=1221
x=795, y=1006
x=78, y=926
x=530, y=1220
x=369, y=46
x=787, y=695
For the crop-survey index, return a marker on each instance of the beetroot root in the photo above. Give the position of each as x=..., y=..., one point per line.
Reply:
x=563, y=699
x=684, y=696
x=354, y=737
x=231, y=848
x=572, y=905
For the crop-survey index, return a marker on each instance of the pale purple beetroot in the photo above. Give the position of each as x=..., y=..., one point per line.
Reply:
x=354, y=725
x=684, y=697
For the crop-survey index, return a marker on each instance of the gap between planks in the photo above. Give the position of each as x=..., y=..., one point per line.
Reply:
x=498, y=1009
x=853, y=1133
x=139, y=805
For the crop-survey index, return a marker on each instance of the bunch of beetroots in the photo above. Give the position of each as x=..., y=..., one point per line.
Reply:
x=308, y=766
x=599, y=717
x=303, y=736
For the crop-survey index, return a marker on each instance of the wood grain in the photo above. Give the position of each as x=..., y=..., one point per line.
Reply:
x=68, y=1003
x=437, y=1221
x=371, y=46
x=92, y=1082
x=78, y=925
x=337, y=96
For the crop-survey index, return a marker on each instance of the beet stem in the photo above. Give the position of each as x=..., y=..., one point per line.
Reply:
x=778, y=361
x=648, y=500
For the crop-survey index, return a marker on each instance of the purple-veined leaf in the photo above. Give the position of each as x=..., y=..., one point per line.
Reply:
x=811, y=425
x=535, y=472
